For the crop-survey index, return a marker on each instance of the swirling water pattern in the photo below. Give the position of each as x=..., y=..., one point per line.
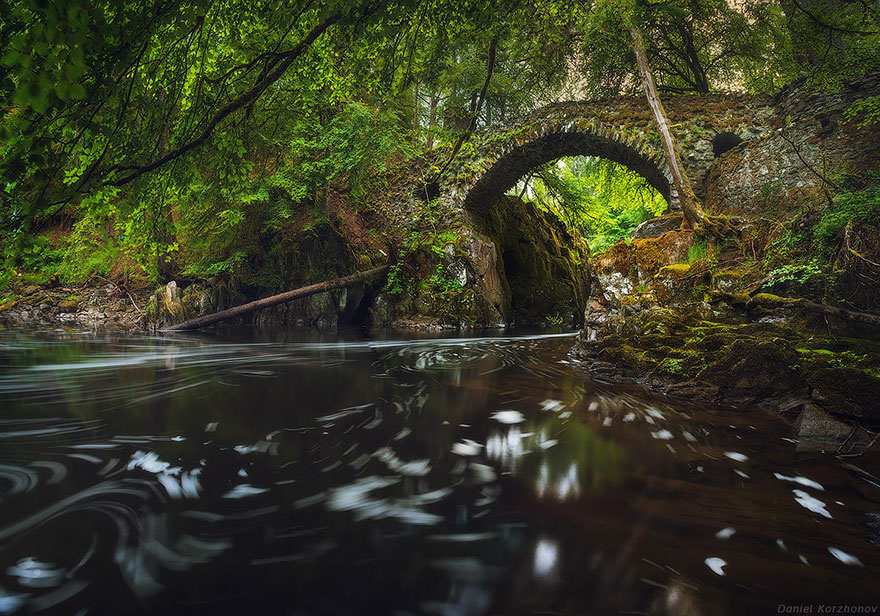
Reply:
x=470, y=475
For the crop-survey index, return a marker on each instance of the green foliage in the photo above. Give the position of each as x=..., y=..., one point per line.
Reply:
x=848, y=208
x=227, y=267
x=39, y=259
x=834, y=43
x=693, y=46
x=442, y=283
x=697, y=251
x=599, y=199
x=801, y=273
x=395, y=284
x=440, y=241
x=807, y=254
x=90, y=250
x=163, y=133
x=866, y=111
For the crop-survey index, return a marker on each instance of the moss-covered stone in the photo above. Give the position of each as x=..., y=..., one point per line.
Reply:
x=847, y=391
x=655, y=253
x=755, y=367
x=70, y=303
x=544, y=267
x=674, y=271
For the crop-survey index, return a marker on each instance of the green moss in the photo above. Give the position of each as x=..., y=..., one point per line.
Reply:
x=676, y=270
x=698, y=251
x=672, y=366
x=70, y=302
x=768, y=297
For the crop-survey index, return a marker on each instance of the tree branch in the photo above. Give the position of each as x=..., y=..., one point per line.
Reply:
x=490, y=68
x=287, y=58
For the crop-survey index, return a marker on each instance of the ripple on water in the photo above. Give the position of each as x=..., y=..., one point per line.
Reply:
x=391, y=474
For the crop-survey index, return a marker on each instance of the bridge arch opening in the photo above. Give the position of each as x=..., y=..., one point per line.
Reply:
x=512, y=165
x=542, y=247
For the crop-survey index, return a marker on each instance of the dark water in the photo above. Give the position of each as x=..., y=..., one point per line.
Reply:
x=467, y=476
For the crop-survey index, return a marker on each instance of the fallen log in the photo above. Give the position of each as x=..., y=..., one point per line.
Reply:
x=281, y=298
x=774, y=301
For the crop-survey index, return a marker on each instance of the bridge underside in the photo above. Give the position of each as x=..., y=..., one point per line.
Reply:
x=507, y=170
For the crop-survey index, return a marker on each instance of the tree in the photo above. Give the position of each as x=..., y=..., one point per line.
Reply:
x=693, y=47
x=624, y=16
x=690, y=208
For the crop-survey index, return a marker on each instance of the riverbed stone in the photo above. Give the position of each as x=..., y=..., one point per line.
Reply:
x=817, y=430
x=847, y=391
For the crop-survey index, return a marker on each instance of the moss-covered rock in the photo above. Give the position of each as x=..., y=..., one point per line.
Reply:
x=755, y=367
x=847, y=391
x=544, y=267
x=655, y=253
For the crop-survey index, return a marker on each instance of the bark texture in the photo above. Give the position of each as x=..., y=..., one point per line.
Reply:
x=686, y=197
x=281, y=298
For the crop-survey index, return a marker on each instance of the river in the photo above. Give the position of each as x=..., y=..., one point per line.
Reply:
x=315, y=474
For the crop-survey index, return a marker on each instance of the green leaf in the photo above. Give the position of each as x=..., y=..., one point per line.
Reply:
x=10, y=58
x=77, y=91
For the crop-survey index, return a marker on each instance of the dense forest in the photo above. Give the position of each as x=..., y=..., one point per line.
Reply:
x=147, y=141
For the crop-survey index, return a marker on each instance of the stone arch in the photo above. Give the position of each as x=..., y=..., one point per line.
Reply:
x=513, y=160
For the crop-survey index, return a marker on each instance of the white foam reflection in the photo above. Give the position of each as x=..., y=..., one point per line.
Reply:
x=809, y=502
x=716, y=565
x=725, y=533
x=552, y=405
x=361, y=499
x=506, y=447
x=509, y=417
x=244, y=490
x=414, y=468
x=36, y=574
x=846, y=559
x=546, y=555
x=800, y=480
x=466, y=447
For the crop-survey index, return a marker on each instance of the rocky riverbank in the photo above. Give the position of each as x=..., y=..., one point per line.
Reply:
x=106, y=305
x=662, y=313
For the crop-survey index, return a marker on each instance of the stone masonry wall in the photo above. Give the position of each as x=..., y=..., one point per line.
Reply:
x=810, y=137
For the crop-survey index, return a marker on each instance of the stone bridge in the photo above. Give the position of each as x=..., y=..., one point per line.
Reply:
x=512, y=262
x=619, y=129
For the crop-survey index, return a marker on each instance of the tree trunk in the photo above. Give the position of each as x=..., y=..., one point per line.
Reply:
x=416, y=109
x=432, y=119
x=281, y=298
x=688, y=201
x=476, y=106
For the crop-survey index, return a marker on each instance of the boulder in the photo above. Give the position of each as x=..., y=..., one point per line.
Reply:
x=655, y=227
x=847, y=391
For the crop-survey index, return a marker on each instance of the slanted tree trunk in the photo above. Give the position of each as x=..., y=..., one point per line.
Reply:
x=417, y=108
x=476, y=107
x=688, y=201
x=281, y=298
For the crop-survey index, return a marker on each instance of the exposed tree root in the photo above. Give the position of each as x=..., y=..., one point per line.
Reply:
x=774, y=301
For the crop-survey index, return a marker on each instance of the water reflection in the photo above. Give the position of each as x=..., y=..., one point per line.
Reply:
x=546, y=554
x=446, y=476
